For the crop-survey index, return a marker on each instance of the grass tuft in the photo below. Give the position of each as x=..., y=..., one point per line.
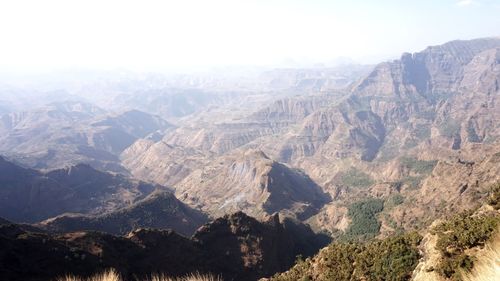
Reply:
x=112, y=275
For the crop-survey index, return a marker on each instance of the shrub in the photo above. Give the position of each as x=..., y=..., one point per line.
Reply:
x=418, y=166
x=456, y=235
x=364, y=223
x=356, y=178
x=494, y=196
x=391, y=259
x=393, y=201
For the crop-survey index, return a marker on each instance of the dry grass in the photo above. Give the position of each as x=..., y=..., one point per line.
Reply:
x=112, y=275
x=108, y=275
x=191, y=277
x=487, y=266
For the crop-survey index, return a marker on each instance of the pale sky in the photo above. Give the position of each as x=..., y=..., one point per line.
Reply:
x=148, y=35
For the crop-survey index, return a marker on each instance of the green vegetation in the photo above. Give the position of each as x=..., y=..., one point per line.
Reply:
x=456, y=235
x=393, y=201
x=391, y=259
x=418, y=166
x=356, y=178
x=364, y=223
x=413, y=182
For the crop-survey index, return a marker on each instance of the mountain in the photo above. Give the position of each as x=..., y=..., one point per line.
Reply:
x=74, y=132
x=251, y=182
x=135, y=123
x=396, y=133
x=29, y=195
x=160, y=210
x=237, y=247
x=58, y=112
x=314, y=79
x=399, y=134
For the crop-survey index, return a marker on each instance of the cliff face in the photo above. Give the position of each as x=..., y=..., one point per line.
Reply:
x=436, y=70
x=237, y=247
x=337, y=132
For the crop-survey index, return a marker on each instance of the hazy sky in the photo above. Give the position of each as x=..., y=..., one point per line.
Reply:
x=166, y=34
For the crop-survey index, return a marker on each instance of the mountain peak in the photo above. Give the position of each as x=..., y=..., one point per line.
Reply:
x=256, y=154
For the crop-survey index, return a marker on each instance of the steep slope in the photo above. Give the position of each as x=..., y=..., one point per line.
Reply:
x=160, y=210
x=251, y=182
x=427, y=94
x=335, y=133
x=236, y=247
x=29, y=195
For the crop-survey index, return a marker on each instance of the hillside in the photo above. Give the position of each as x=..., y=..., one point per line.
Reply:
x=235, y=247
x=251, y=182
x=63, y=133
x=160, y=210
x=460, y=247
x=28, y=195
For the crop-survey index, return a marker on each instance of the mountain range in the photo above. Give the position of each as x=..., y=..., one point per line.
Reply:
x=238, y=176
